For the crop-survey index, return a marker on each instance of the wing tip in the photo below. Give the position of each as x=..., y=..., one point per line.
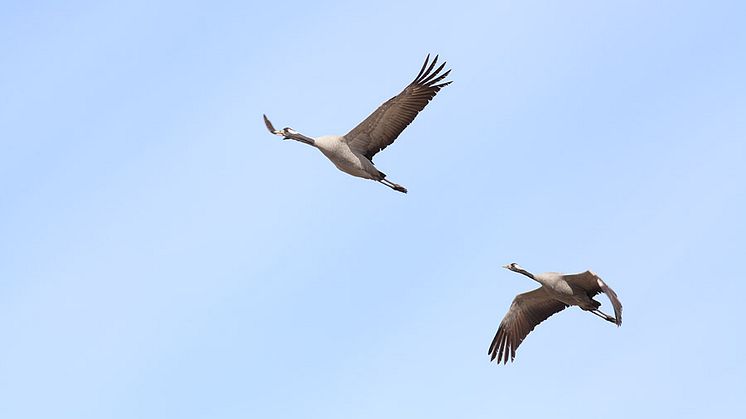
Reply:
x=426, y=72
x=612, y=296
x=268, y=124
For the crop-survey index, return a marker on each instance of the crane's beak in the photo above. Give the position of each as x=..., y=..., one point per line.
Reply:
x=506, y=266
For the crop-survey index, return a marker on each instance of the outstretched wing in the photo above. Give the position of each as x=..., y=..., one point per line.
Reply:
x=271, y=127
x=527, y=311
x=593, y=285
x=384, y=125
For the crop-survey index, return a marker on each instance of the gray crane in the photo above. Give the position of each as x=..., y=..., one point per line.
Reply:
x=353, y=152
x=557, y=292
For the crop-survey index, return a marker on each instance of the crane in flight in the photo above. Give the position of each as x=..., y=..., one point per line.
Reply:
x=353, y=152
x=557, y=292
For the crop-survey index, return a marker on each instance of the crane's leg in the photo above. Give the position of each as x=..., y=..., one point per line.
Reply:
x=603, y=315
x=393, y=186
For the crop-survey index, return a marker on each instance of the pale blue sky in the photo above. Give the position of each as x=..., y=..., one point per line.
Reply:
x=163, y=256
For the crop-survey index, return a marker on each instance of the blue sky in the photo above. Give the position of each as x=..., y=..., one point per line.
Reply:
x=162, y=255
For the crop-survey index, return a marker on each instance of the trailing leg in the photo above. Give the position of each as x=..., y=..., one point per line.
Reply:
x=393, y=186
x=604, y=316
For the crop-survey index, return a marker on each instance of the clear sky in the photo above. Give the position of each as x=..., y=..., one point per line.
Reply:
x=163, y=256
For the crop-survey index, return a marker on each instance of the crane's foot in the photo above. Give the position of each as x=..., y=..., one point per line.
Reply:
x=604, y=316
x=394, y=186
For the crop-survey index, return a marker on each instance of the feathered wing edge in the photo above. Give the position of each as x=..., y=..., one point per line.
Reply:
x=613, y=298
x=381, y=128
x=425, y=78
x=593, y=285
x=526, y=312
x=269, y=125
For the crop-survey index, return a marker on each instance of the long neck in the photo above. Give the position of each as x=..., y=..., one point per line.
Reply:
x=525, y=272
x=297, y=136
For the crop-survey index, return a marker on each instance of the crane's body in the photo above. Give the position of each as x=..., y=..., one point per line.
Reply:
x=353, y=152
x=557, y=292
x=559, y=288
x=336, y=149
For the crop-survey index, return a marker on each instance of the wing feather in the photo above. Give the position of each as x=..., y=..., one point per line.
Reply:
x=593, y=285
x=527, y=311
x=384, y=125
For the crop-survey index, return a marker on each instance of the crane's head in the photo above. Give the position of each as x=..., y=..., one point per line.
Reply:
x=288, y=133
x=513, y=267
x=517, y=268
x=291, y=134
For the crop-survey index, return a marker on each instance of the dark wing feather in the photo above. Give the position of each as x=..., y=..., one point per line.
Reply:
x=527, y=311
x=269, y=125
x=384, y=125
x=593, y=285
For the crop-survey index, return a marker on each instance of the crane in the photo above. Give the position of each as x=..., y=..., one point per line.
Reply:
x=353, y=152
x=557, y=292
